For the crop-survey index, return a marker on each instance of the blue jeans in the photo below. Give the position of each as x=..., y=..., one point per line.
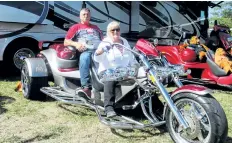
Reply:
x=84, y=66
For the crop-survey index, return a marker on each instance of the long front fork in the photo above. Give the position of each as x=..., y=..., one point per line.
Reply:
x=165, y=94
x=169, y=101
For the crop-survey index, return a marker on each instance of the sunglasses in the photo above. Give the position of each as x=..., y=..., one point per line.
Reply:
x=115, y=30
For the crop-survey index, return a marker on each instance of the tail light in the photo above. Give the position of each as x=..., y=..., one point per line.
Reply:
x=40, y=45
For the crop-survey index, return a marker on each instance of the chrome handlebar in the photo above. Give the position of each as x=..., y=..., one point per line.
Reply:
x=163, y=71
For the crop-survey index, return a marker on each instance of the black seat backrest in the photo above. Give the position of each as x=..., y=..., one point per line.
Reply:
x=96, y=83
x=216, y=70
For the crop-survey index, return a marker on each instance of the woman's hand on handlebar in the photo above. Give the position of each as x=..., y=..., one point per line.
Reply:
x=101, y=50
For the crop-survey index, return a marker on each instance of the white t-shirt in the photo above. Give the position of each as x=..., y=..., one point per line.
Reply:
x=114, y=57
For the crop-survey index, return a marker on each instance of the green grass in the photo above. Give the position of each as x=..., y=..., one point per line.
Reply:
x=22, y=120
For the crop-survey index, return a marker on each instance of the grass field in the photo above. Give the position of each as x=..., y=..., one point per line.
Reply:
x=25, y=121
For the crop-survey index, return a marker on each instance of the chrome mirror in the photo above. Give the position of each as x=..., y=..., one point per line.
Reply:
x=155, y=41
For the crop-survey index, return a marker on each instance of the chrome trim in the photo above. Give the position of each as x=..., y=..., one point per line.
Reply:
x=151, y=70
x=165, y=94
x=144, y=109
x=125, y=123
x=177, y=81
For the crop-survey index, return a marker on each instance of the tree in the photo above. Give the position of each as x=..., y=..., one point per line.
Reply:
x=223, y=14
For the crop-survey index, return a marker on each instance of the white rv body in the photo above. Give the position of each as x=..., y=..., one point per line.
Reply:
x=26, y=23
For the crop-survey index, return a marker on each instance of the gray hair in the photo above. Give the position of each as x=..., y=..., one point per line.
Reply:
x=111, y=25
x=85, y=9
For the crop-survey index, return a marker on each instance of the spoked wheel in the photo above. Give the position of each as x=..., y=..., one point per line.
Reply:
x=204, y=115
x=197, y=119
x=31, y=85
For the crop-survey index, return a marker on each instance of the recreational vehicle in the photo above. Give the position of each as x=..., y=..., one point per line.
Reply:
x=24, y=23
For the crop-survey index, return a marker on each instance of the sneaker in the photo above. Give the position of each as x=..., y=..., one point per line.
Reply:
x=110, y=114
x=85, y=93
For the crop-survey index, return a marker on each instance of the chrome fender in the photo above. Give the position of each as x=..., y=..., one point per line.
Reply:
x=191, y=88
x=36, y=67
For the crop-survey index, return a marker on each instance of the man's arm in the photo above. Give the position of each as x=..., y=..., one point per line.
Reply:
x=68, y=42
x=80, y=47
x=68, y=39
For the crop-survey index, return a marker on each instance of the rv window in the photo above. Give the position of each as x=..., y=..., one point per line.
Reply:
x=202, y=18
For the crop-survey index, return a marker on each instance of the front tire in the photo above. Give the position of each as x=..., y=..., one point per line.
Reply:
x=31, y=85
x=208, y=122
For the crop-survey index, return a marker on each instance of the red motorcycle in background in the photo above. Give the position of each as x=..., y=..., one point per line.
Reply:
x=190, y=112
x=207, y=72
x=222, y=34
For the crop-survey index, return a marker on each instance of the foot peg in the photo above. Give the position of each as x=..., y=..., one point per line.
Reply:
x=127, y=107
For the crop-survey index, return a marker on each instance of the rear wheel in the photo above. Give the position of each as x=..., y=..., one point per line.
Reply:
x=204, y=115
x=31, y=85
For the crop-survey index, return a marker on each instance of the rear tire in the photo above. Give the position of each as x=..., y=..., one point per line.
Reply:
x=215, y=115
x=31, y=85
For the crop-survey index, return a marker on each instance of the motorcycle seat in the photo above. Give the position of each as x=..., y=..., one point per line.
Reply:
x=66, y=56
x=216, y=70
x=63, y=52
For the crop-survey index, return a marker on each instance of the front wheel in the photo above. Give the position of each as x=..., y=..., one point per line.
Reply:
x=204, y=115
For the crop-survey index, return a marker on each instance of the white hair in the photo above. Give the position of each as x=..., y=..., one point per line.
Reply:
x=85, y=9
x=112, y=25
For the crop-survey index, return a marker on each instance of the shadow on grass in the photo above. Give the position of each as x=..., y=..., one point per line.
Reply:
x=5, y=100
x=86, y=111
x=137, y=115
x=10, y=78
x=50, y=99
x=147, y=134
x=40, y=138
